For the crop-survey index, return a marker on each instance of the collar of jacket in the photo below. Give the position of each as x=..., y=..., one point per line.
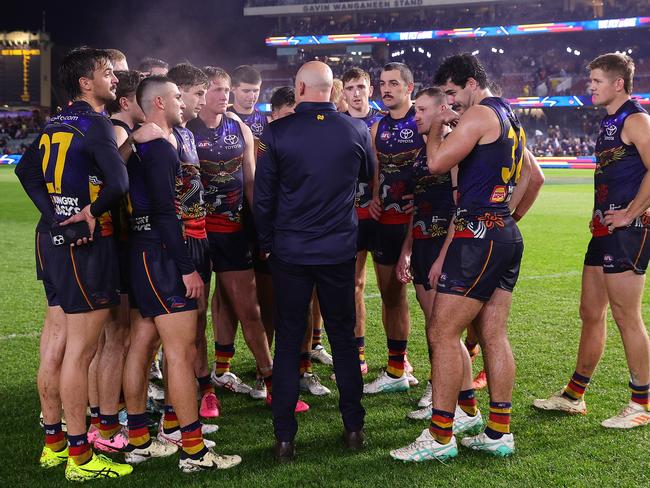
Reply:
x=315, y=106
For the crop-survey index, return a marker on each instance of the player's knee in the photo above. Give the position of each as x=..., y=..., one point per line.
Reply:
x=626, y=318
x=591, y=315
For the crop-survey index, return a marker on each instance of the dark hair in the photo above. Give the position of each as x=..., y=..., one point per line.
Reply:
x=78, y=63
x=355, y=74
x=186, y=75
x=213, y=72
x=404, y=71
x=433, y=92
x=282, y=97
x=460, y=68
x=147, y=63
x=127, y=84
x=115, y=55
x=245, y=74
x=146, y=83
x=620, y=65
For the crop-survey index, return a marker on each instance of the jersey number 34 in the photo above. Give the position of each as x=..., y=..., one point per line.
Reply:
x=518, y=147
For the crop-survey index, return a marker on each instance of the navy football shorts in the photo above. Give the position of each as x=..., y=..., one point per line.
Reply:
x=199, y=250
x=423, y=253
x=388, y=243
x=80, y=278
x=367, y=234
x=474, y=268
x=230, y=251
x=623, y=250
x=157, y=286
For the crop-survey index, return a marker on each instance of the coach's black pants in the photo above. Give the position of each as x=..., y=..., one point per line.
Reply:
x=293, y=285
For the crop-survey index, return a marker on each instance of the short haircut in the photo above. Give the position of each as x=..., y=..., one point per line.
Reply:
x=245, y=74
x=282, y=97
x=186, y=75
x=460, y=68
x=434, y=92
x=80, y=62
x=115, y=55
x=214, y=72
x=355, y=74
x=147, y=63
x=620, y=65
x=127, y=85
x=404, y=71
x=147, y=84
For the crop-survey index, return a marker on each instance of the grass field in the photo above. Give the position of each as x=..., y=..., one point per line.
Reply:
x=552, y=450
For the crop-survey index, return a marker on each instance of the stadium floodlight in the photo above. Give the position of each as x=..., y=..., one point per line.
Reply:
x=500, y=51
x=629, y=51
x=494, y=49
x=576, y=52
x=475, y=52
x=420, y=50
x=428, y=54
x=568, y=49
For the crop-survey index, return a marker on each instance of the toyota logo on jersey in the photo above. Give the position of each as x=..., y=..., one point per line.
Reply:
x=231, y=139
x=406, y=133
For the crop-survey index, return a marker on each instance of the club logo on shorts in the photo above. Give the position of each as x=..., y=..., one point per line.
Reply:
x=443, y=277
x=608, y=260
x=385, y=136
x=406, y=134
x=58, y=240
x=100, y=298
x=176, y=302
x=231, y=139
x=499, y=194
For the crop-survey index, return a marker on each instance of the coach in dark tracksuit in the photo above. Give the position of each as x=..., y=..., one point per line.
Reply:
x=307, y=169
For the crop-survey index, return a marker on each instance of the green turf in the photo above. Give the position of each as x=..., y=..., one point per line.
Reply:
x=552, y=450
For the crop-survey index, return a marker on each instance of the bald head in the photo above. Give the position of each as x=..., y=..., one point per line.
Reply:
x=314, y=82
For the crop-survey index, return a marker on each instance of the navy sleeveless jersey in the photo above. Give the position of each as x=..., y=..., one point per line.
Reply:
x=487, y=178
x=190, y=195
x=221, y=155
x=256, y=121
x=619, y=169
x=364, y=189
x=398, y=144
x=433, y=200
x=121, y=213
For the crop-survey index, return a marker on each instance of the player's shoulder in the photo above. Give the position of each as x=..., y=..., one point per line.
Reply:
x=156, y=149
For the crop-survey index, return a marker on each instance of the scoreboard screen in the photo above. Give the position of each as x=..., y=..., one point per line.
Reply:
x=20, y=76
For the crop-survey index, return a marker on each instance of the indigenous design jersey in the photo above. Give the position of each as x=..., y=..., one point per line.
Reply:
x=398, y=144
x=433, y=200
x=487, y=178
x=69, y=144
x=221, y=155
x=121, y=214
x=190, y=195
x=364, y=189
x=619, y=170
x=256, y=121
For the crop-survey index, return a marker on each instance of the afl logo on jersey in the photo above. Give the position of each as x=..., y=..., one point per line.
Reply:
x=256, y=128
x=231, y=139
x=385, y=136
x=204, y=144
x=405, y=134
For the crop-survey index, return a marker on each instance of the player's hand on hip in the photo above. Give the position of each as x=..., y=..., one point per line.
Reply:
x=375, y=208
x=83, y=215
x=193, y=285
x=435, y=272
x=148, y=132
x=617, y=218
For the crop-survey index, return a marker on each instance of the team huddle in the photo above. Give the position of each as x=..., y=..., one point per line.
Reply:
x=146, y=186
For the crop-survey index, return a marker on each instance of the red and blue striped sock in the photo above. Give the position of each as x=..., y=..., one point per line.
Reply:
x=205, y=385
x=576, y=387
x=441, y=426
x=499, y=420
x=305, y=363
x=223, y=354
x=94, y=417
x=109, y=425
x=139, y=437
x=317, y=337
x=641, y=395
x=396, y=354
x=170, y=420
x=192, y=441
x=467, y=402
x=80, y=451
x=54, y=437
